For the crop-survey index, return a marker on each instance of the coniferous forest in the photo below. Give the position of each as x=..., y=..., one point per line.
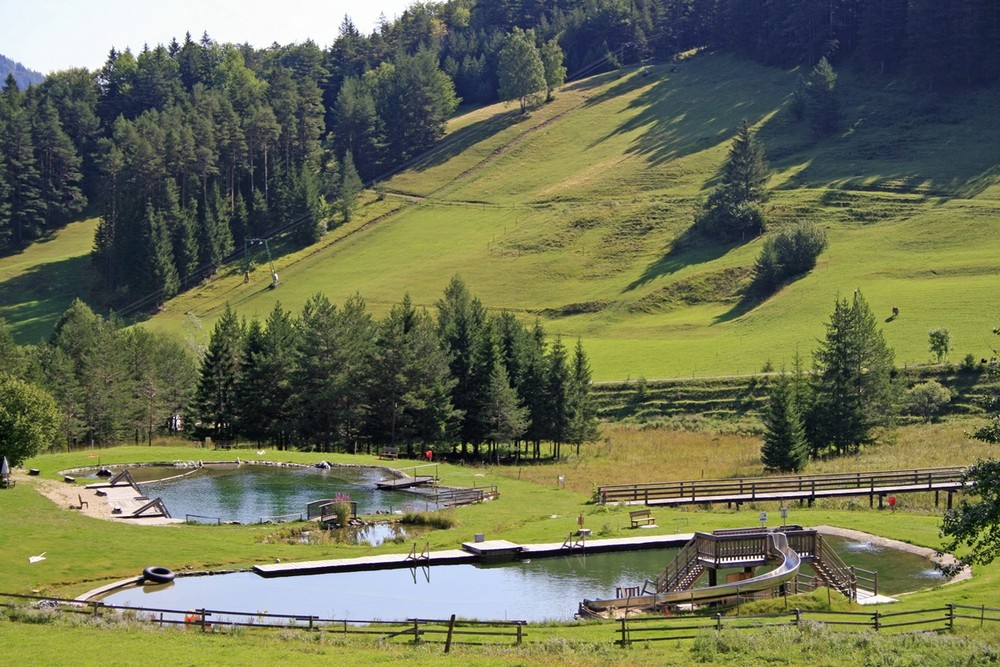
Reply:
x=185, y=150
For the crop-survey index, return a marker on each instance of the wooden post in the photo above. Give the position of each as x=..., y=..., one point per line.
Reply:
x=204, y=614
x=624, y=640
x=875, y=618
x=451, y=630
x=520, y=631
x=416, y=630
x=951, y=617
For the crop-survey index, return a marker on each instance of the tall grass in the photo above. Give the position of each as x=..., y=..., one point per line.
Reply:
x=629, y=453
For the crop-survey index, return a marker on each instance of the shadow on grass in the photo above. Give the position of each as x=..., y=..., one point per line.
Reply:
x=689, y=249
x=696, y=108
x=461, y=140
x=33, y=301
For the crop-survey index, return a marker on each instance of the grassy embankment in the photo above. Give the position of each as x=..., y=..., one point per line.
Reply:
x=573, y=214
x=83, y=552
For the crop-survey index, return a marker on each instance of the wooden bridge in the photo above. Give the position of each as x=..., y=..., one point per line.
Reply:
x=789, y=487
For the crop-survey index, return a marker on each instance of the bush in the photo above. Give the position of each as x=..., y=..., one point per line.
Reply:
x=926, y=399
x=432, y=519
x=788, y=253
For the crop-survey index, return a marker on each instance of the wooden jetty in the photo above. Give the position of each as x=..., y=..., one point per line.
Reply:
x=471, y=552
x=404, y=482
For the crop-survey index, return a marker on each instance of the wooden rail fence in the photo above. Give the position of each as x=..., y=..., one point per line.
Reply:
x=420, y=630
x=788, y=487
x=641, y=629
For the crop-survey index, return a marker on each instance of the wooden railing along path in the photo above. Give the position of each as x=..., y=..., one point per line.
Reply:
x=789, y=487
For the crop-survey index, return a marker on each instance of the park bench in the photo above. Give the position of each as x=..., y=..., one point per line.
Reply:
x=642, y=518
x=389, y=453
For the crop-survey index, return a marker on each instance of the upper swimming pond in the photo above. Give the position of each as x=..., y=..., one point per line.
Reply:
x=252, y=493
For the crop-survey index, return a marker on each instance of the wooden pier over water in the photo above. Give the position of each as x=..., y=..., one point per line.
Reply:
x=471, y=552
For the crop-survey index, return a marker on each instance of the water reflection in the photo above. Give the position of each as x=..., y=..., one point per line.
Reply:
x=254, y=493
x=536, y=590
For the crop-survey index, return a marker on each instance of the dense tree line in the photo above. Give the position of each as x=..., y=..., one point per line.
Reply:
x=336, y=378
x=330, y=378
x=188, y=149
x=107, y=384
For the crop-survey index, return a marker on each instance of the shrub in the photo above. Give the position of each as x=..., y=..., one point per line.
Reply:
x=432, y=519
x=788, y=253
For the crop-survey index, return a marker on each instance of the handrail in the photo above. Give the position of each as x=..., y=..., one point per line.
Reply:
x=805, y=484
x=786, y=571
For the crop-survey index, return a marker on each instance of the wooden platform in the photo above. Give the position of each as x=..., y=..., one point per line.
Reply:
x=404, y=482
x=472, y=552
x=380, y=562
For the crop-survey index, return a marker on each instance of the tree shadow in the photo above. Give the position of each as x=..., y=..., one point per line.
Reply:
x=33, y=301
x=462, y=140
x=688, y=111
x=687, y=250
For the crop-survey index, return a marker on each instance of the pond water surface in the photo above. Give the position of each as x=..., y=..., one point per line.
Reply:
x=538, y=590
x=251, y=493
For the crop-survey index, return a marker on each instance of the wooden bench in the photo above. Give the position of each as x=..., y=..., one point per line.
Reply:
x=389, y=453
x=642, y=518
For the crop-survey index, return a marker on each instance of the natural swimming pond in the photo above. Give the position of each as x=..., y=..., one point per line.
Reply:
x=250, y=493
x=538, y=590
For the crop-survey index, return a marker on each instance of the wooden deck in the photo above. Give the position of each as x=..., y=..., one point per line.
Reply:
x=484, y=551
x=380, y=562
x=404, y=482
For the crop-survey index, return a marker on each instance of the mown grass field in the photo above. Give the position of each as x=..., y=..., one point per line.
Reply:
x=83, y=552
x=573, y=214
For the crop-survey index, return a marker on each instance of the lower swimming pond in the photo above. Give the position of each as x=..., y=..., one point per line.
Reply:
x=542, y=589
x=251, y=493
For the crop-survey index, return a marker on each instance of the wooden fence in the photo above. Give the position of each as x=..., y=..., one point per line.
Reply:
x=423, y=630
x=641, y=629
x=745, y=489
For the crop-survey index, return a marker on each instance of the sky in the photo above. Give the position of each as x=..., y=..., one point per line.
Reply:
x=53, y=35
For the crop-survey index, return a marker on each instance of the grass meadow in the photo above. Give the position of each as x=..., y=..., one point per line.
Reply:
x=576, y=214
x=84, y=552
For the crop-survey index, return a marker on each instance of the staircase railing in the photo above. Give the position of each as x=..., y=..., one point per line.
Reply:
x=832, y=568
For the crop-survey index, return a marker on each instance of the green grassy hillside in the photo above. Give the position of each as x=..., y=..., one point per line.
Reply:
x=573, y=214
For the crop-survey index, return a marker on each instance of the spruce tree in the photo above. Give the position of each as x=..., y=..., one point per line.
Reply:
x=216, y=398
x=852, y=391
x=785, y=448
x=822, y=104
x=350, y=186
x=583, y=413
x=732, y=211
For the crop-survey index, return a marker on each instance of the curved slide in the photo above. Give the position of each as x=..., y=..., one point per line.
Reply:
x=785, y=572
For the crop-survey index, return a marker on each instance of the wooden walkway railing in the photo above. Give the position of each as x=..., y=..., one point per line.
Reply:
x=789, y=487
x=422, y=630
x=638, y=629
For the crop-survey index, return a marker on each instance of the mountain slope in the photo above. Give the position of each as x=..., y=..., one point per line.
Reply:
x=573, y=214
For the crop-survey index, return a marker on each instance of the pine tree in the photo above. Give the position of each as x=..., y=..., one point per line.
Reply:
x=158, y=258
x=852, y=389
x=822, y=104
x=17, y=147
x=558, y=389
x=216, y=398
x=732, y=211
x=506, y=419
x=350, y=186
x=583, y=420
x=461, y=326
x=785, y=448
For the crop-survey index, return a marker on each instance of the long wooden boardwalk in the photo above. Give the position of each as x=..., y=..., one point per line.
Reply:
x=472, y=552
x=791, y=487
